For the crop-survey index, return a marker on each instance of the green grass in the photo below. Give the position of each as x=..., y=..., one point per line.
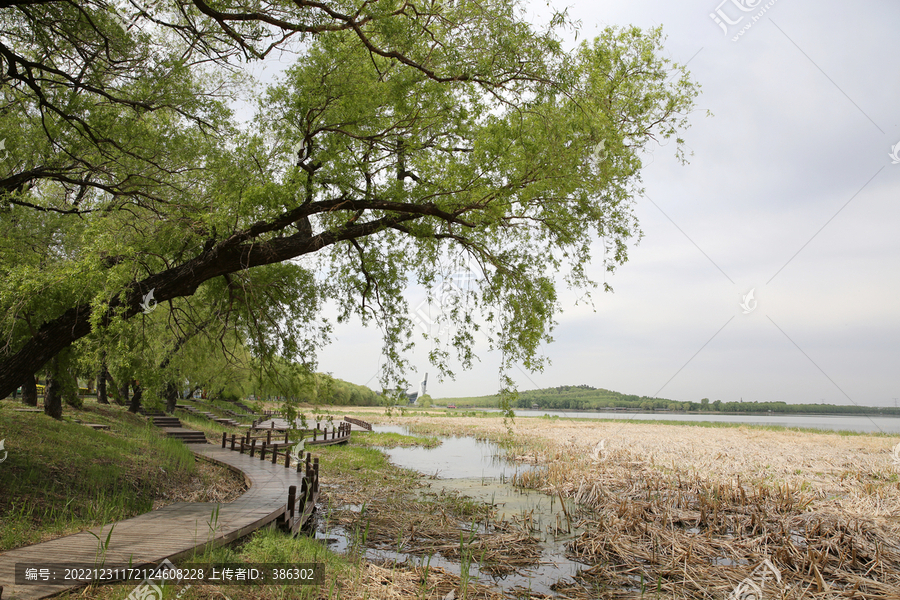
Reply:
x=207, y=426
x=394, y=440
x=61, y=477
x=265, y=546
x=363, y=464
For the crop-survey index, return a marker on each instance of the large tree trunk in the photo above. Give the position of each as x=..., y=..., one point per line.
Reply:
x=171, y=397
x=240, y=251
x=70, y=391
x=135, y=397
x=29, y=391
x=52, y=395
x=123, y=393
x=101, y=385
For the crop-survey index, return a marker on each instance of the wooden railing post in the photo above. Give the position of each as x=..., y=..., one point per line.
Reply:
x=224, y=438
x=252, y=447
x=232, y=441
x=304, y=494
x=275, y=455
x=286, y=433
x=287, y=459
x=262, y=455
x=315, y=431
x=269, y=436
x=242, y=445
x=316, y=474
x=292, y=498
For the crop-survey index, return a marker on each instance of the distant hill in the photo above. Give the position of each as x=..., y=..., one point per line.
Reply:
x=585, y=397
x=577, y=397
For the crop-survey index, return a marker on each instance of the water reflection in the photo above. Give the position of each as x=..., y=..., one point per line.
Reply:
x=479, y=470
x=455, y=458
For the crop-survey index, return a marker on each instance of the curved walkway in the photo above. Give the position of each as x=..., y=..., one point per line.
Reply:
x=173, y=532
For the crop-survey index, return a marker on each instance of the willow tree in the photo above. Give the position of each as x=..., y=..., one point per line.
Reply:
x=402, y=136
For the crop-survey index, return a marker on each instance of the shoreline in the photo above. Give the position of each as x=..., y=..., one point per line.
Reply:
x=439, y=412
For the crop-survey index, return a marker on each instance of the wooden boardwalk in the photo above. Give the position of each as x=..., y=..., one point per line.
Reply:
x=280, y=424
x=172, y=532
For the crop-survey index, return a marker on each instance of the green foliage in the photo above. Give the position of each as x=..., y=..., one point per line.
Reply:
x=401, y=146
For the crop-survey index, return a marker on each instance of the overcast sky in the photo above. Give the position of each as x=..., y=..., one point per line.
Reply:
x=790, y=192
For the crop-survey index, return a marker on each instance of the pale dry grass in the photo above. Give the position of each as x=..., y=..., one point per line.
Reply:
x=211, y=483
x=690, y=511
x=844, y=473
x=393, y=582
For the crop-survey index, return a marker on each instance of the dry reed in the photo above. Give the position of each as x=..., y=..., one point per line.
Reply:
x=690, y=512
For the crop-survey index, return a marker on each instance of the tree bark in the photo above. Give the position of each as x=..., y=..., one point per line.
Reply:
x=135, y=397
x=29, y=391
x=70, y=391
x=240, y=251
x=123, y=393
x=101, y=385
x=52, y=395
x=171, y=397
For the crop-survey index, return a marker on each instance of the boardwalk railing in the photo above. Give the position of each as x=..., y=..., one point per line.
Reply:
x=265, y=434
x=300, y=507
x=359, y=423
x=339, y=434
x=256, y=422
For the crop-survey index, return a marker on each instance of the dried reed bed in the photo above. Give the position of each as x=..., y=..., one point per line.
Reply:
x=426, y=529
x=211, y=483
x=395, y=581
x=689, y=512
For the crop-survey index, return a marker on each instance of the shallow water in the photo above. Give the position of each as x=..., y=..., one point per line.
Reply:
x=455, y=458
x=478, y=469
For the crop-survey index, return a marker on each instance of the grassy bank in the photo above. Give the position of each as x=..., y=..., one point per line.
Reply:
x=61, y=477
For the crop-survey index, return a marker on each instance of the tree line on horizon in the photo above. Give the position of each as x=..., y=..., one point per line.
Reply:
x=585, y=397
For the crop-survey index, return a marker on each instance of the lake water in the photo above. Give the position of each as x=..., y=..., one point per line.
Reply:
x=478, y=469
x=861, y=424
